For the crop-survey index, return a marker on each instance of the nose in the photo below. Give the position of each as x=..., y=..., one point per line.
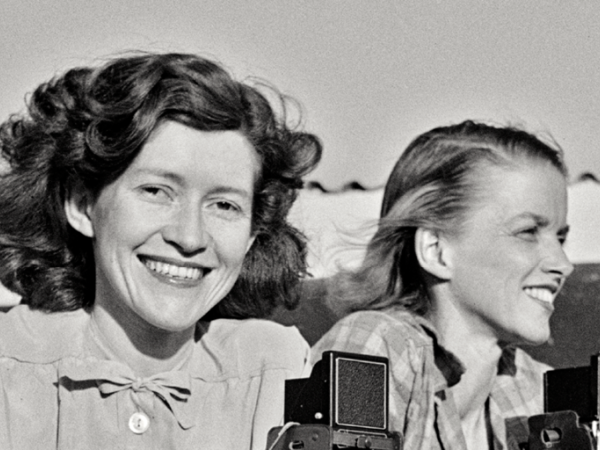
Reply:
x=557, y=261
x=187, y=231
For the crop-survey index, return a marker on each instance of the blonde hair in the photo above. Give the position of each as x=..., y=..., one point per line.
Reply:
x=433, y=185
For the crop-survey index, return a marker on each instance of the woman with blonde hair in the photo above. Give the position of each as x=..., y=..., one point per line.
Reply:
x=464, y=267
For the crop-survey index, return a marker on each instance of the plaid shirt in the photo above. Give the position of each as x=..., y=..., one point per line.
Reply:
x=422, y=407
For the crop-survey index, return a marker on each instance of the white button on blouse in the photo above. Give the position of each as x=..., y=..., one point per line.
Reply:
x=139, y=422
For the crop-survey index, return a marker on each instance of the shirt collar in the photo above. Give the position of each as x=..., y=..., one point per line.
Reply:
x=451, y=367
x=507, y=364
x=448, y=364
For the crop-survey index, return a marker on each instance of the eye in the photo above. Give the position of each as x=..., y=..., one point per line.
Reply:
x=227, y=206
x=155, y=193
x=227, y=209
x=529, y=233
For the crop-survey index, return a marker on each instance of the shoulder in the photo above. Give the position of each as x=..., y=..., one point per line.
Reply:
x=386, y=333
x=34, y=336
x=381, y=322
x=260, y=337
x=252, y=346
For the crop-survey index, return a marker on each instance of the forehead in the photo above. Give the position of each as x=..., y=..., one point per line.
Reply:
x=191, y=155
x=530, y=187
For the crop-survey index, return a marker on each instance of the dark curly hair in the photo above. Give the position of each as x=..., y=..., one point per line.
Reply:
x=84, y=128
x=433, y=185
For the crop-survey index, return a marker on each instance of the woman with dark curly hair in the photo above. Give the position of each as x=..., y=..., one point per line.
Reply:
x=143, y=223
x=464, y=267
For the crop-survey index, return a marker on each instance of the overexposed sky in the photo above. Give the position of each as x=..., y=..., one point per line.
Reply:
x=370, y=74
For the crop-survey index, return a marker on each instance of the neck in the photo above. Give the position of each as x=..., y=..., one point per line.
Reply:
x=124, y=337
x=479, y=352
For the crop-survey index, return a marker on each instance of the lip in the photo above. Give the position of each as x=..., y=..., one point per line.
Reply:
x=175, y=281
x=552, y=288
x=174, y=262
x=547, y=306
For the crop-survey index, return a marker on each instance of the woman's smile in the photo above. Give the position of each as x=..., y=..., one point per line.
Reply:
x=179, y=273
x=545, y=295
x=171, y=233
x=508, y=260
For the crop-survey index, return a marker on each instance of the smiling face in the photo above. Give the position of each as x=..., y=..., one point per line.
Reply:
x=171, y=233
x=508, y=264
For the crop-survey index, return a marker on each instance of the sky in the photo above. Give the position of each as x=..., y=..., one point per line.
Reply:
x=369, y=74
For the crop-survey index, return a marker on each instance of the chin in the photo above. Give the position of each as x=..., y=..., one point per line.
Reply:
x=172, y=326
x=530, y=336
x=537, y=339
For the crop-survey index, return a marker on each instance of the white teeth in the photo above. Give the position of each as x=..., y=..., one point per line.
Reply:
x=171, y=270
x=541, y=294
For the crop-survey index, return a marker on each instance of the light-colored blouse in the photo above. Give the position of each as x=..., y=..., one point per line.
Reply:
x=55, y=395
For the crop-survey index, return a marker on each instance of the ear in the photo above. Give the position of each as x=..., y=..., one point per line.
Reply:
x=431, y=253
x=77, y=209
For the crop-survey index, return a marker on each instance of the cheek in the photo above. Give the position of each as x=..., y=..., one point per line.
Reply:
x=482, y=263
x=233, y=244
x=119, y=232
x=499, y=260
x=485, y=277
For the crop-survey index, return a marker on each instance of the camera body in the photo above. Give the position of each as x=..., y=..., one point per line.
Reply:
x=344, y=404
x=572, y=408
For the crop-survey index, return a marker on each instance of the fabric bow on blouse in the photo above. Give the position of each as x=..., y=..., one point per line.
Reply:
x=173, y=388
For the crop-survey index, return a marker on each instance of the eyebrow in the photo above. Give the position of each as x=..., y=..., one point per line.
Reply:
x=162, y=174
x=232, y=190
x=172, y=176
x=542, y=221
